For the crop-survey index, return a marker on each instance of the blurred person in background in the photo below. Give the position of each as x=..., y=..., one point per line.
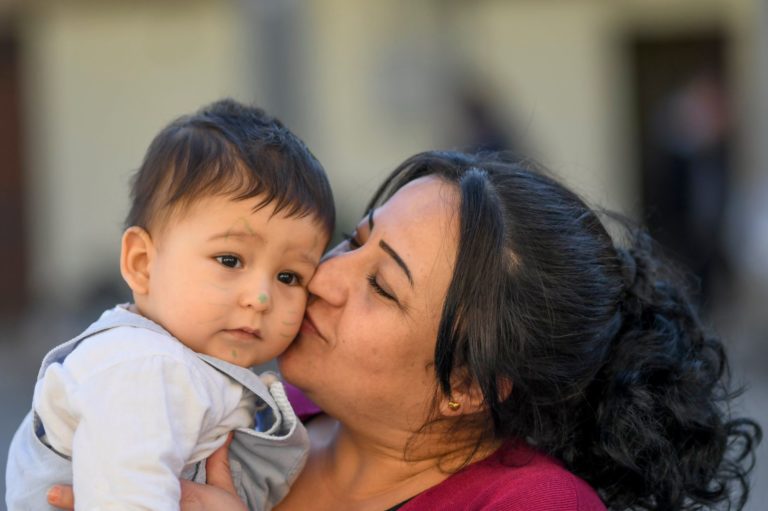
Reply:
x=689, y=183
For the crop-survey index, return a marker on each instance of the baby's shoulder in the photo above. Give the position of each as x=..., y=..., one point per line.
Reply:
x=124, y=345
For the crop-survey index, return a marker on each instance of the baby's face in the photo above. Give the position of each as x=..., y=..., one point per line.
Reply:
x=230, y=282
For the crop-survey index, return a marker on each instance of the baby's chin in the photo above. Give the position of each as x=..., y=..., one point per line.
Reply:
x=248, y=354
x=238, y=358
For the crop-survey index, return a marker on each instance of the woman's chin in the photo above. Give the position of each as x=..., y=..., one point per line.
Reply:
x=289, y=364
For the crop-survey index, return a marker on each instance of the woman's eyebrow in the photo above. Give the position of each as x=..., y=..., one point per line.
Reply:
x=391, y=251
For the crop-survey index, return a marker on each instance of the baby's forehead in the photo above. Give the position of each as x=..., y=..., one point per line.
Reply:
x=251, y=216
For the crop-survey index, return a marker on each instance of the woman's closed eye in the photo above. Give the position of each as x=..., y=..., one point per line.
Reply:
x=352, y=240
x=229, y=260
x=377, y=288
x=353, y=243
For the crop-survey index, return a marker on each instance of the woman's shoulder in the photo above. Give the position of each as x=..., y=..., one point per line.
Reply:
x=516, y=477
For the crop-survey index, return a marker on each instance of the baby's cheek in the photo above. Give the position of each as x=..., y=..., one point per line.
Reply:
x=290, y=322
x=289, y=313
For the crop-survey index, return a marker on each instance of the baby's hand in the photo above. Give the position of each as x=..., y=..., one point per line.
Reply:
x=62, y=497
x=218, y=492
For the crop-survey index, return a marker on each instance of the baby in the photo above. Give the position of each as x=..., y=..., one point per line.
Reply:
x=230, y=215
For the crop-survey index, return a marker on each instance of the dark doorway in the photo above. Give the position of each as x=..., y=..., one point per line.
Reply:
x=13, y=283
x=684, y=135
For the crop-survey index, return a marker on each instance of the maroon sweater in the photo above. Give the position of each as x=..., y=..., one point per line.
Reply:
x=514, y=478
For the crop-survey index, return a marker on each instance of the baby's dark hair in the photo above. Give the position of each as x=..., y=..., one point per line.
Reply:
x=228, y=148
x=610, y=368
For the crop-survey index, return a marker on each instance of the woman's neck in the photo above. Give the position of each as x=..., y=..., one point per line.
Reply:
x=361, y=465
x=374, y=469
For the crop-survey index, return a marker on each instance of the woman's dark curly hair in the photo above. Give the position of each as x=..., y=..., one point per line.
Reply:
x=611, y=369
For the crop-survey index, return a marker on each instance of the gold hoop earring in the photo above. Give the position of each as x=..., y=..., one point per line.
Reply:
x=453, y=405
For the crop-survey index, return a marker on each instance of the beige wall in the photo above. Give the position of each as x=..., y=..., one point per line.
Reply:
x=561, y=79
x=376, y=91
x=555, y=65
x=565, y=75
x=100, y=80
x=103, y=77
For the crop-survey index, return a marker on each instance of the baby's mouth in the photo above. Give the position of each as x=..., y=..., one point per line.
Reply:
x=246, y=333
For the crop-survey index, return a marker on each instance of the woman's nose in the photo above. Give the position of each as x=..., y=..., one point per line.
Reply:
x=331, y=279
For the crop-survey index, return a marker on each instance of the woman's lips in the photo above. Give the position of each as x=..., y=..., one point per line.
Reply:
x=308, y=327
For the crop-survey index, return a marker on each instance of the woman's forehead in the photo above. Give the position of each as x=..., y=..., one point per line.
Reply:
x=420, y=222
x=428, y=195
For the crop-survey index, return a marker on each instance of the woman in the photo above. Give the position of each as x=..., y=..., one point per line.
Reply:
x=479, y=342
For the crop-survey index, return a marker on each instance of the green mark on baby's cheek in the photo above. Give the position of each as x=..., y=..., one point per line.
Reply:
x=234, y=353
x=263, y=298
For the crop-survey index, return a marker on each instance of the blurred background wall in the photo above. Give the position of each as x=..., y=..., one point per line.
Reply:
x=657, y=108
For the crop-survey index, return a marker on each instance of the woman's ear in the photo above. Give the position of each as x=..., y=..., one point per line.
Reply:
x=467, y=398
x=135, y=259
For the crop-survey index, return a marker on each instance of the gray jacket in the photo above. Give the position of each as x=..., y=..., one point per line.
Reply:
x=264, y=460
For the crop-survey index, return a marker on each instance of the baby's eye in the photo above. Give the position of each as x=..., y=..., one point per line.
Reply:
x=289, y=278
x=229, y=261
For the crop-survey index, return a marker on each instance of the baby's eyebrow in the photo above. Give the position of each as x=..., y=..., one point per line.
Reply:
x=239, y=229
x=236, y=234
x=306, y=257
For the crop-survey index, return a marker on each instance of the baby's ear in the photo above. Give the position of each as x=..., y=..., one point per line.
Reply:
x=135, y=258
